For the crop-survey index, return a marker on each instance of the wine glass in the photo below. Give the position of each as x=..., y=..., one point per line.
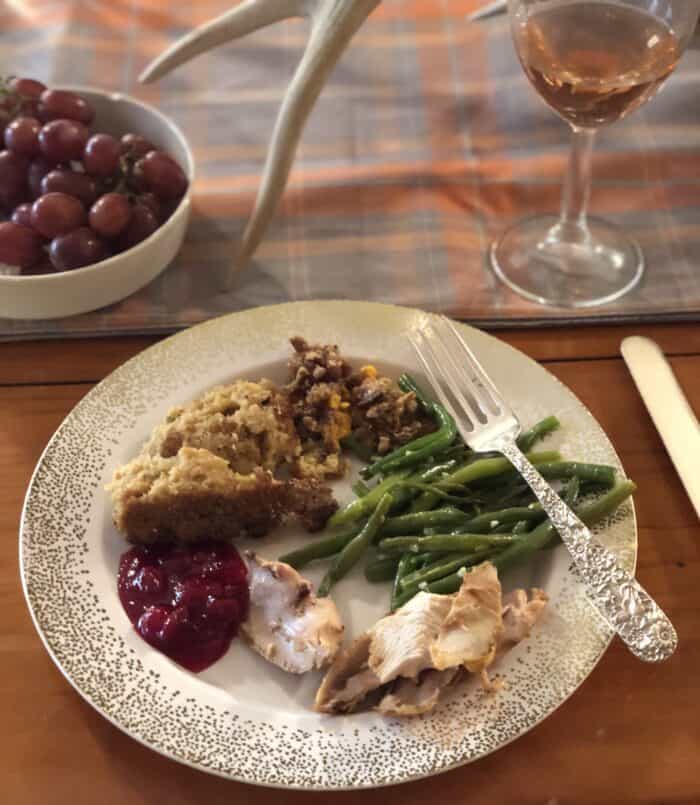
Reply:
x=593, y=62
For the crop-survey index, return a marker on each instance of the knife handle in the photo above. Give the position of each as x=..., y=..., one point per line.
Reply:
x=669, y=409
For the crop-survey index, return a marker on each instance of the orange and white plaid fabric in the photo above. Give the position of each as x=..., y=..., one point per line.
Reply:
x=426, y=143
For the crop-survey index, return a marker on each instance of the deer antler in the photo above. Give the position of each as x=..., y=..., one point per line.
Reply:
x=333, y=24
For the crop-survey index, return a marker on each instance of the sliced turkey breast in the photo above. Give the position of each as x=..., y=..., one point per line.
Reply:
x=287, y=623
x=409, y=657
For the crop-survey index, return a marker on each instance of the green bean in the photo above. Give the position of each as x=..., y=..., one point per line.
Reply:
x=521, y=527
x=571, y=492
x=540, y=537
x=546, y=533
x=417, y=450
x=443, y=567
x=406, y=565
x=424, y=502
x=320, y=548
x=504, y=528
x=602, y=475
x=428, y=558
x=432, y=488
x=362, y=507
x=483, y=468
x=590, y=488
x=382, y=569
x=529, y=437
x=360, y=488
x=520, y=495
x=351, y=553
x=408, y=384
x=488, y=521
x=403, y=492
x=490, y=467
x=430, y=499
x=440, y=469
x=524, y=517
x=458, y=451
x=327, y=546
x=447, y=584
x=508, y=490
x=385, y=463
x=467, y=561
x=400, y=597
x=415, y=522
x=421, y=559
x=559, y=470
x=445, y=542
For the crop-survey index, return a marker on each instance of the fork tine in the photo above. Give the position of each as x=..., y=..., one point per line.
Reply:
x=460, y=387
x=466, y=388
x=479, y=377
x=416, y=338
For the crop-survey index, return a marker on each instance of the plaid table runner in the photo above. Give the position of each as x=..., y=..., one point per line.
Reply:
x=426, y=143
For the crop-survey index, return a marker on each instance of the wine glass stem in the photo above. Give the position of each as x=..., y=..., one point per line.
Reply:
x=577, y=184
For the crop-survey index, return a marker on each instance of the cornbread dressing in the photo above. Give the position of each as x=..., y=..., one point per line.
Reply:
x=244, y=457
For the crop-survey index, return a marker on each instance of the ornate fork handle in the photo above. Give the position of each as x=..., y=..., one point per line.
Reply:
x=622, y=601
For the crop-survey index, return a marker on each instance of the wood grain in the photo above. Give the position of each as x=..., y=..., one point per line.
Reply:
x=88, y=360
x=630, y=734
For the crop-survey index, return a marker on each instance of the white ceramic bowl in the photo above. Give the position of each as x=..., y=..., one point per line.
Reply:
x=67, y=293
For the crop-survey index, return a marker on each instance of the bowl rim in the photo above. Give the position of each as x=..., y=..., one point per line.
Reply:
x=185, y=201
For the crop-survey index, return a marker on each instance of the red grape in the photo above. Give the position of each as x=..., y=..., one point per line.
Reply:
x=136, y=146
x=22, y=136
x=57, y=103
x=19, y=245
x=13, y=179
x=102, y=154
x=42, y=267
x=27, y=87
x=150, y=200
x=63, y=140
x=73, y=183
x=29, y=108
x=142, y=224
x=51, y=157
x=135, y=182
x=161, y=174
x=23, y=215
x=79, y=248
x=5, y=118
x=57, y=213
x=168, y=209
x=110, y=214
x=38, y=168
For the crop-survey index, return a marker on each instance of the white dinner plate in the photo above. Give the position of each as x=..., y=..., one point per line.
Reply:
x=243, y=718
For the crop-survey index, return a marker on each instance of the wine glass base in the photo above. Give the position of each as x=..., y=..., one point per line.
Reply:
x=550, y=263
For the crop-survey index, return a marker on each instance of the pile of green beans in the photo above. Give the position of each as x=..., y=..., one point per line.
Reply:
x=432, y=509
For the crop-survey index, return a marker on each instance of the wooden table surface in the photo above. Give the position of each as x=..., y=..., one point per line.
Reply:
x=630, y=734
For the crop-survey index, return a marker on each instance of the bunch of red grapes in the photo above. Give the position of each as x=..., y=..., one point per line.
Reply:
x=74, y=198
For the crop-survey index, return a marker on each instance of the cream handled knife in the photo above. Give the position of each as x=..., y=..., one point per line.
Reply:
x=669, y=409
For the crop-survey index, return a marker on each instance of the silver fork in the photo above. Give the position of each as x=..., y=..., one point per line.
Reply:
x=486, y=422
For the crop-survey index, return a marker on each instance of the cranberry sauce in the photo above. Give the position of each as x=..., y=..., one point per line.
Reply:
x=186, y=602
